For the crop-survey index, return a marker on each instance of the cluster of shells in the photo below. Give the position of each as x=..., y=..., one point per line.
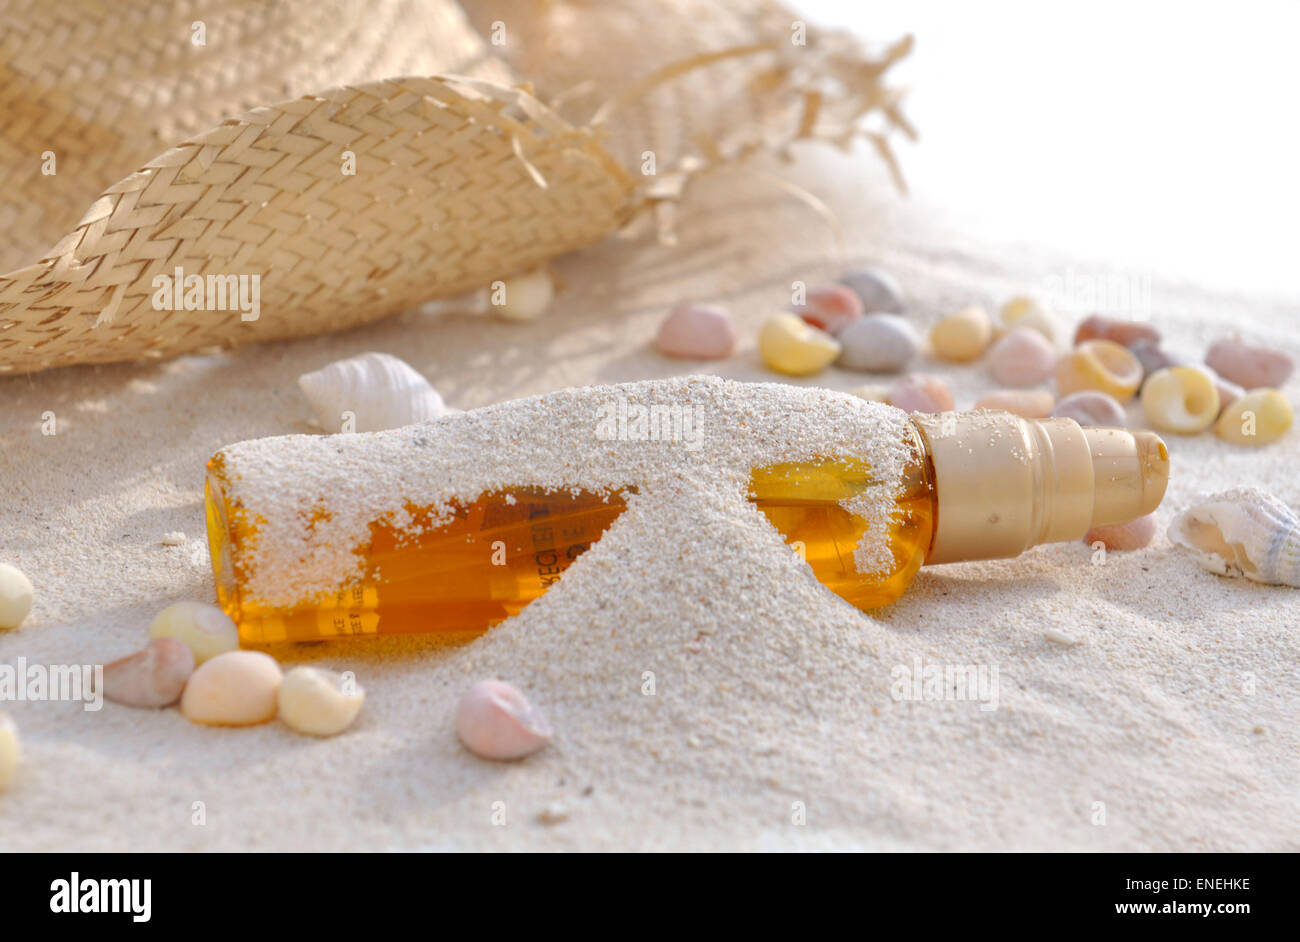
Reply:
x=193, y=659
x=857, y=324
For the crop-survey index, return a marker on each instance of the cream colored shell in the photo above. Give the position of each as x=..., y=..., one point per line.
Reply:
x=319, y=702
x=1242, y=532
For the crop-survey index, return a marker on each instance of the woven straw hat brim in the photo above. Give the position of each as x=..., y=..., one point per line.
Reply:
x=457, y=183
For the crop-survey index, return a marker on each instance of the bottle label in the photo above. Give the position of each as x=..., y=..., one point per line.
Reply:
x=359, y=596
x=339, y=622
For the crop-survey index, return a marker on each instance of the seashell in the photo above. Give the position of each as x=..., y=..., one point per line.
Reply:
x=153, y=677
x=1249, y=366
x=1259, y=417
x=1154, y=357
x=878, y=343
x=16, y=594
x=697, y=332
x=830, y=307
x=1023, y=357
x=554, y=813
x=319, y=702
x=878, y=291
x=1061, y=637
x=788, y=345
x=237, y=688
x=1027, y=403
x=10, y=753
x=1242, y=532
x=1124, y=333
x=173, y=538
x=1133, y=535
x=1026, y=311
x=205, y=629
x=920, y=394
x=524, y=297
x=963, y=336
x=1102, y=365
x=379, y=390
x=1091, y=407
x=1180, y=399
x=495, y=721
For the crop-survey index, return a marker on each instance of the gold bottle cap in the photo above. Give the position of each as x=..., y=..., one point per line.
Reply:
x=1130, y=472
x=1004, y=484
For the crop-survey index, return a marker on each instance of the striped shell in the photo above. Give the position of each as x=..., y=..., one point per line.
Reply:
x=1242, y=532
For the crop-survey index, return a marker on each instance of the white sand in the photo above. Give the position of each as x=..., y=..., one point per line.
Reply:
x=1175, y=709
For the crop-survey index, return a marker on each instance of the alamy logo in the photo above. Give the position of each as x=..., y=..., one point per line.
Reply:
x=975, y=682
x=625, y=421
x=76, y=895
x=182, y=292
x=70, y=682
x=1119, y=294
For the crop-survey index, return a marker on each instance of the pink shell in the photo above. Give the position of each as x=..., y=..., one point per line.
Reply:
x=920, y=394
x=1124, y=536
x=1023, y=357
x=153, y=677
x=830, y=307
x=1249, y=366
x=495, y=721
x=697, y=332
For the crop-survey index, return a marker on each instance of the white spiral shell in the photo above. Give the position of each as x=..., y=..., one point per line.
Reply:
x=377, y=389
x=1242, y=532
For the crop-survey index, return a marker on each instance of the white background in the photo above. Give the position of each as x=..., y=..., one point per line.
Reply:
x=1162, y=134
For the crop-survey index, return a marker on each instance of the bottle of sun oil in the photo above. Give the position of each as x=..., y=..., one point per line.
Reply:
x=977, y=486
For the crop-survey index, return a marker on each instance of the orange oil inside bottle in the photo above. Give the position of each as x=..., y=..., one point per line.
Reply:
x=501, y=551
x=804, y=502
x=465, y=574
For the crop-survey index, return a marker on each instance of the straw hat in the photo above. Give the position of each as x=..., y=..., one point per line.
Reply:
x=347, y=159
